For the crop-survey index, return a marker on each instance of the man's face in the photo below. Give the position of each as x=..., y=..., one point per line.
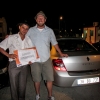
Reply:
x=40, y=20
x=23, y=29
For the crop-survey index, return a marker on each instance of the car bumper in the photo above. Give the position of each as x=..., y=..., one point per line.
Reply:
x=63, y=79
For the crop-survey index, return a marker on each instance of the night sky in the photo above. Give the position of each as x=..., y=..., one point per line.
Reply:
x=75, y=14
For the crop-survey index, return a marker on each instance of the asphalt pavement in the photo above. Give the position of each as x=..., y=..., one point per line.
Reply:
x=30, y=92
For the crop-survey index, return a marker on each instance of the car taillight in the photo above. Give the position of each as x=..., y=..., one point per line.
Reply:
x=58, y=64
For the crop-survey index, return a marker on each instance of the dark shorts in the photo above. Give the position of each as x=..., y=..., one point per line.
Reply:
x=43, y=70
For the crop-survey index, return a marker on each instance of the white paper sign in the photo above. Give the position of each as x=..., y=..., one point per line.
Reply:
x=25, y=56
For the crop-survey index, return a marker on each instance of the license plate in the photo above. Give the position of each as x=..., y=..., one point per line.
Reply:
x=88, y=80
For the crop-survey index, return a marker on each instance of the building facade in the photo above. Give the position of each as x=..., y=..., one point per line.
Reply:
x=3, y=28
x=92, y=34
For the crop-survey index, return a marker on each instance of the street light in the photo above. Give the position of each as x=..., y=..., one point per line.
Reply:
x=60, y=18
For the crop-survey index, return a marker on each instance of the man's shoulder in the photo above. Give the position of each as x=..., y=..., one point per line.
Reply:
x=48, y=28
x=13, y=35
x=33, y=27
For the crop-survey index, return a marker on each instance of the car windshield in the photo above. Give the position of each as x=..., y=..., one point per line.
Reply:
x=75, y=45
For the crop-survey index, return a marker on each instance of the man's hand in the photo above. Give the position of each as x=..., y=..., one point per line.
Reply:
x=13, y=56
x=30, y=63
x=63, y=55
x=59, y=51
x=6, y=36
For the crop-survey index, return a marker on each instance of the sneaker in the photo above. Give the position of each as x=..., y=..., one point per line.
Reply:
x=37, y=97
x=51, y=98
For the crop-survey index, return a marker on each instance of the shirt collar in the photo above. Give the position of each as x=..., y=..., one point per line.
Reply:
x=18, y=36
x=45, y=27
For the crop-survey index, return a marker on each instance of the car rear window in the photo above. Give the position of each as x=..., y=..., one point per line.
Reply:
x=75, y=45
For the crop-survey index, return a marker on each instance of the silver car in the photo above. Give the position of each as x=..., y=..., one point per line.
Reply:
x=81, y=67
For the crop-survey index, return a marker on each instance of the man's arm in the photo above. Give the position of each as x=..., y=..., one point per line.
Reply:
x=59, y=51
x=13, y=56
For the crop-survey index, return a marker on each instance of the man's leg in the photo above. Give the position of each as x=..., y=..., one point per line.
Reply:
x=23, y=81
x=48, y=76
x=37, y=87
x=36, y=76
x=49, y=88
x=13, y=76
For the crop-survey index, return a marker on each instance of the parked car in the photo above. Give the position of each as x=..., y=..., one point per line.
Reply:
x=4, y=77
x=96, y=45
x=80, y=68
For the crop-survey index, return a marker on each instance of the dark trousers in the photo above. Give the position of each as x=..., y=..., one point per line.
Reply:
x=18, y=80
